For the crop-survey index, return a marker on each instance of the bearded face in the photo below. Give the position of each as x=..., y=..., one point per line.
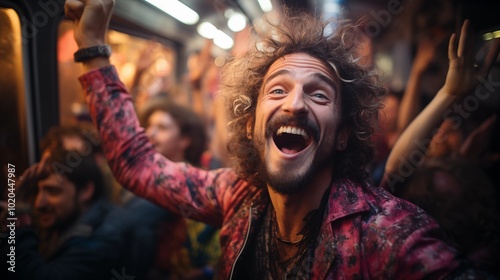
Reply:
x=56, y=204
x=298, y=114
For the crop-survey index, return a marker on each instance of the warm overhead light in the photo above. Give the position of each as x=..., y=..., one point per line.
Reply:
x=266, y=5
x=222, y=40
x=177, y=10
x=206, y=29
x=491, y=35
x=488, y=36
x=236, y=22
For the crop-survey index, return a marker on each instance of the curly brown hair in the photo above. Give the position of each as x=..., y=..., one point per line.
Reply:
x=302, y=33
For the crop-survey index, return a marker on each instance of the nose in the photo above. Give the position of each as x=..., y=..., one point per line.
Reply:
x=40, y=201
x=294, y=101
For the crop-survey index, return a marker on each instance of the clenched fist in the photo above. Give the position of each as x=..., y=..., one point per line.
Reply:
x=91, y=19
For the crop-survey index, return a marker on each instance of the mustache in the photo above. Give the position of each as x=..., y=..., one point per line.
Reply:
x=305, y=123
x=44, y=210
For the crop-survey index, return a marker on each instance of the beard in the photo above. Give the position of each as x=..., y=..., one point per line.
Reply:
x=61, y=224
x=285, y=183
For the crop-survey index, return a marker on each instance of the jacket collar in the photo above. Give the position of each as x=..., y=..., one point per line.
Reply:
x=346, y=198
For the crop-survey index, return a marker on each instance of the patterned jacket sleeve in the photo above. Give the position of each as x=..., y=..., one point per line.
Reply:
x=410, y=244
x=179, y=187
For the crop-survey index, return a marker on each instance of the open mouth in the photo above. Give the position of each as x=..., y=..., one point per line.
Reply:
x=291, y=140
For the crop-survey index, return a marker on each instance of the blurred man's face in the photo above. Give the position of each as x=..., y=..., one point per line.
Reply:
x=56, y=205
x=164, y=133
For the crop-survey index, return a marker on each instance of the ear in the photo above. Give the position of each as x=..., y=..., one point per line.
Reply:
x=343, y=138
x=249, y=129
x=86, y=193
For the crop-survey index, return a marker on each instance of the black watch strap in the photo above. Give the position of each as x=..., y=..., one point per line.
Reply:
x=92, y=52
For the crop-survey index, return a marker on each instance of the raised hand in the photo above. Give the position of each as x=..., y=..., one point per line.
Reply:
x=91, y=18
x=26, y=188
x=461, y=79
x=462, y=76
x=147, y=56
x=425, y=54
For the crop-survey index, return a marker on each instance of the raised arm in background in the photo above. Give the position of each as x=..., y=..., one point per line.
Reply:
x=410, y=102
x=461, y=79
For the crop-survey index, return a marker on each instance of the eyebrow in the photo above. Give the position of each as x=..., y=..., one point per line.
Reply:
x=277, y=73
x=50, y=187
x=327, y=80
x=319, y=76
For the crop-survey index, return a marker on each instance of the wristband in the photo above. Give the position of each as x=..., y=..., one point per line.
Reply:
x=96, y=51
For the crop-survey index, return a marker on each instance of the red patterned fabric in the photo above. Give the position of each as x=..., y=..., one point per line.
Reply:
x=367, y=233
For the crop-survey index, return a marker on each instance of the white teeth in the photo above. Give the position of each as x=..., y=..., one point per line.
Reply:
x=292, y=130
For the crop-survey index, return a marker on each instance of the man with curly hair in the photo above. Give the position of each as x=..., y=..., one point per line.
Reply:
x=297, y=204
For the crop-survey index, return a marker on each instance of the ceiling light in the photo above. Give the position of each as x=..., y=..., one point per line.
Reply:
x=177, y=10
x=266, y=5
x=236, y=22
x=488, y=36
x=207, y=30
x=491, y=35
x=222, y=40
x=332, y=8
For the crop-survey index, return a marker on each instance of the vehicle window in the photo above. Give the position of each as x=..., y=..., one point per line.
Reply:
x=127, y=51
x=14, y=146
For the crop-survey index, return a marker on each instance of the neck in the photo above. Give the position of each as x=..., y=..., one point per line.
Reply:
x=292, y=209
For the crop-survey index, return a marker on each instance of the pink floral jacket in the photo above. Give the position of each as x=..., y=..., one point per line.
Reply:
x=367, y=233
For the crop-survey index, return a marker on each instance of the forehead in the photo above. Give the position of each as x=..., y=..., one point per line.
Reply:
x=72, y=142
x=301, y=63
x=55, y=181
x=161, y=116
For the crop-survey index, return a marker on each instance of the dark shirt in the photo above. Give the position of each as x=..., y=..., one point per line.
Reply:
x=91, y=249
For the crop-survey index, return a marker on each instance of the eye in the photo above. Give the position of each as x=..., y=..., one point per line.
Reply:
x=319, y=95
x=277, y=91
x=164, y=127
x=53, y=191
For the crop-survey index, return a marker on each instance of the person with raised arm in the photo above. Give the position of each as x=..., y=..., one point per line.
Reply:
x=297, y=203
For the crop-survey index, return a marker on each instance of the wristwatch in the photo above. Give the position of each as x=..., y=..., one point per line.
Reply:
x=92, y=52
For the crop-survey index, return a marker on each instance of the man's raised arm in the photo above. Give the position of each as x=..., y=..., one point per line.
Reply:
x=135, y=163
x=91, y=19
